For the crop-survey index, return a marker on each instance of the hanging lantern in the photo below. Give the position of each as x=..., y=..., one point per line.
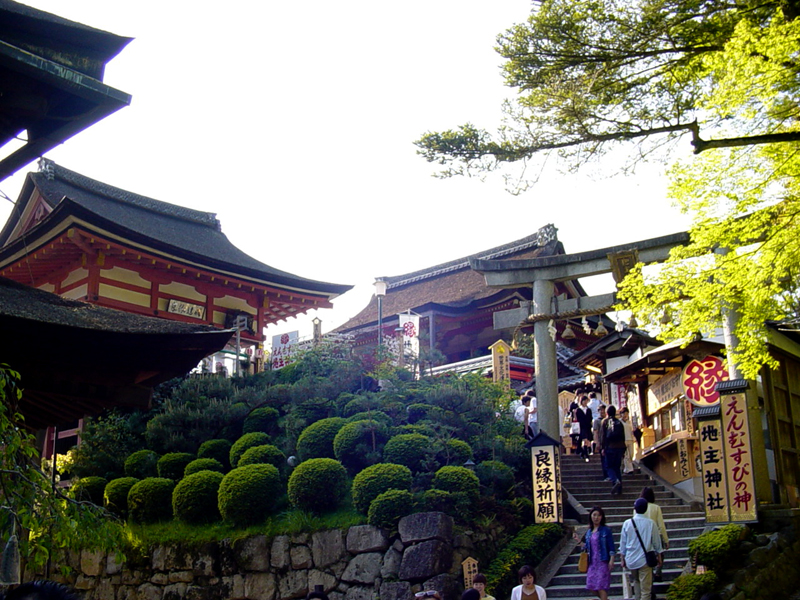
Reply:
x=634, y=323
x=666, y=317
x=601, y=329
x=568, y=334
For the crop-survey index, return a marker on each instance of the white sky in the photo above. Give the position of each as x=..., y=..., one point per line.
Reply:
x=295, y=122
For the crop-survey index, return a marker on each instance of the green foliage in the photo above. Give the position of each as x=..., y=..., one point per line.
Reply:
x=496, y=478
x=457, y=479
x=691, y=586
x=389, y=507
x=172, y=465
x=318, y=485
x=375, y=480
x=454, y=452
x=218, y=449
x=105, y=443
x=248, y=494
x=419, y=411
x=376, y=415
x=89, y=489
x=410, y=449
x=456, y=504
x=716, y=548
x=115, y=496
x=360, y=444
x=464, y=405
x=244, y=443
x=142, y=464
x=360, y=404
x=529, y=547
x=266, y=454
x=264, y=419
x=150, y=500
x=316, y=440
x=194, y=499
x=203, y=464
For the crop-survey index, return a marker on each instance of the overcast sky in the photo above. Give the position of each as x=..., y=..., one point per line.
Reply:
x=295, y=122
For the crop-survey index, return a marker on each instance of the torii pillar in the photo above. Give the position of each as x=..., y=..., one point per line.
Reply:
x=543, y=273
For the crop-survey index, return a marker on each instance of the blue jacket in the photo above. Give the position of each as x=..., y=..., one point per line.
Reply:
x=606, y=543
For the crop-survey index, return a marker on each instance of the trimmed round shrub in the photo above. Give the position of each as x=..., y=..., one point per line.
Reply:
x=248, y=494
x=115, y=496
x=360, y=404
x=377, y=415
x=419, y=412
x=244, y=443
x=142, y=464
x=455, y=452
x=263, y=419
x=194, y=499
x=217, y=449
x=316, y=440
x=172, y=464
x=496, y=477
x=360, y=444
x=387, y=509
x=457, y=479
x=318, y=485
x=409, y=449
x=374, y=480
x=692, y=585
x=203, y=464
x=266, y=454
x=150, y=500
x=89, y=489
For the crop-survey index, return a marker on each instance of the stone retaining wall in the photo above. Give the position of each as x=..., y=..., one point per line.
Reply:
x=362, y=563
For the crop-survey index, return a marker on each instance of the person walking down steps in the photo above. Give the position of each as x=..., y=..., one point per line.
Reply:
x=598, y=542
x=614, y=448
x=584, y=415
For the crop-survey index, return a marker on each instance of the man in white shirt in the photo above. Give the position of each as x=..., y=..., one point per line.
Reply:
x=632, y=550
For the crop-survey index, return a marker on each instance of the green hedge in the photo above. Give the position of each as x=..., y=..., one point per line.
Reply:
x=89, y=489
x=218, y=449
x=150, y=500
x=194, y=499
x=409, y=449
x=264, y=419
x=318, y=485
x=692, y=586
x=316, y=440
x=248, y=494
x=360, y=444
x=454, y=452
x=458, y=505
x=172, y=465
x=529, y=547
x=244, y=443
x=203, y=464
x=266, y=454
x=115, y=496
x=389, y=507
x=457, y=479
x=496, y=478
x=376, y=479
x=715, y=548
x=142, y=464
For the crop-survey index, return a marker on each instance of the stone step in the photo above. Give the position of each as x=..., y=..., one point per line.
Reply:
x=670, y=571
x=675, y=552
x=626, y=510
x=579, y=592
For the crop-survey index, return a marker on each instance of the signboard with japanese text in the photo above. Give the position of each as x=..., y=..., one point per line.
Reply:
x=712, y=459
x=684, y=464
x=663, y=390
x=409, y=332
x=547, y=484
x=501, y=361
x=187, y=309
x=470, y=568
x=283, y=348
x=700, y=379
x=738, y=457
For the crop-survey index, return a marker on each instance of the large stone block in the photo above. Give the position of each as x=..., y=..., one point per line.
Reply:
x=424, y=560
x=148, y=591
x=92, y=562
x=181, y=576
x=104, y=590
x=126, y=592
x=358, y=592
x=84, y=583
x=112, y=566
x=327, y=547
x=293, y=585
x=391, y=564
x=175, y=591
x=235, y=586
x=366, y=538
x=447, y=585
x=363, y=568
x=395, y=590
x=279, y=554
x=203, y=559
x=300, y=557
x=259, y=586
x=160, y=578
x=420, y=527
x=226, y=559
x=252, y=554
x=317, y=577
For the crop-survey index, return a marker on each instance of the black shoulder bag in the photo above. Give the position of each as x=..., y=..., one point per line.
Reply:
x=650, y=556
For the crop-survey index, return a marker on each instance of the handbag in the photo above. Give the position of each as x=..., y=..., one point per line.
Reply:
x=583, y=562
x=650, y=556
x=575, y=429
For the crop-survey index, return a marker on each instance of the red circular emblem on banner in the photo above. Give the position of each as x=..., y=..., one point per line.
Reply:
x=700, y=378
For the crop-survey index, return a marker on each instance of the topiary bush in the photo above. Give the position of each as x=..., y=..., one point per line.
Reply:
x=692, y=586
x=115, y=496
x=454, y=452
x=418, y=412
x=266, y=454
x=316, y=440
x=715, y=548
x=244, y=443
x=217, y=449
x=203, y=464
x=457, y=480
x=318, y=485
x=389, y=507
x=264, y=419
x=248, y=494
x=194, y=499
x=89, y=489
x=360, y=444
x=142, y=464
x=150, y=500
x=458, y=505
x=376, y=479
x=359, y=404
x=496, y=478
x=376, y=415
x=172, y=465
x=410, y=449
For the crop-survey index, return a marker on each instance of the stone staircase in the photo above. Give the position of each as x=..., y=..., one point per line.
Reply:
x=584, y=481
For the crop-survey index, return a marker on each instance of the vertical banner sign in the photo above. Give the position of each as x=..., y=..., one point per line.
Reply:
x=282, y=347
x=546, y=480
x=715, y=489
x=683, y=459
x=501, y=361
x=738, y=457
x=409, y=326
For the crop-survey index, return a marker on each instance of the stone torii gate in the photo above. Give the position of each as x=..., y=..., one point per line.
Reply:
x=543, y=273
